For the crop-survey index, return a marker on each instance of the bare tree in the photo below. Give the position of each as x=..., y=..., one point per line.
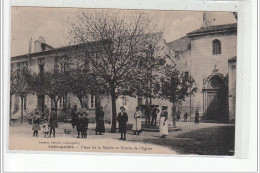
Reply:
x=19, y=85
x=47, y=83
x=112, y=44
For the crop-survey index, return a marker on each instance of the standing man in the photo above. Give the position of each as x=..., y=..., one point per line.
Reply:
x=197, y=117
x=154, y=116
x=178, y=115
x=122, y=118
x=53, y=122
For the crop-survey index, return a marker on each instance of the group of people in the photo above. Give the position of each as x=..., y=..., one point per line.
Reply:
x=80, y=121
x=151, y=112
x=49, y=125
x=122, y=119
x=178, y=116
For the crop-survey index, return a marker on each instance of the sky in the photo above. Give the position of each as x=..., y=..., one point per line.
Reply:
x=50, y=23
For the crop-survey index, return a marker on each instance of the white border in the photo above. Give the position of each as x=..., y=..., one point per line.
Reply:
x=245, y=113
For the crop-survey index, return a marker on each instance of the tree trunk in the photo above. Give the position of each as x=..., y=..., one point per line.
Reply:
x=113, y=99
x=21, y=109
x=56, y=106
x=173, y=115
x=80, y=100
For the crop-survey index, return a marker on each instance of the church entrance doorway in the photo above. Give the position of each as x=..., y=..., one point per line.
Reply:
x=215, y=99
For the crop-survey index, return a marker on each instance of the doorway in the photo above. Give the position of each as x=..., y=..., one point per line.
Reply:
x=216, y=100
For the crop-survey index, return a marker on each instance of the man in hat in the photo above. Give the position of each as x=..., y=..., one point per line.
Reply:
x=154, y=116
x=122, y=118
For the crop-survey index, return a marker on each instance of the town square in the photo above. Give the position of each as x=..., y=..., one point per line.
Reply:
x=145, y=81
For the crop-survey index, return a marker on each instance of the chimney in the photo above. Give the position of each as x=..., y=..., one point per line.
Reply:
x=208, y=19
x=38, y=44
x=30, y=46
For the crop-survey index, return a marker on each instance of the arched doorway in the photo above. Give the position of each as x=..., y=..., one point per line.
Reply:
x=215, y=98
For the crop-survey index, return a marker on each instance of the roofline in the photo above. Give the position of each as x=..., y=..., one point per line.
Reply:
x=44, y=52
x=62, y=48
x=212, y=32
x=232, y=29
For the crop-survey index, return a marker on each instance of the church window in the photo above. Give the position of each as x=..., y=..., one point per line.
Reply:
x=216, y=47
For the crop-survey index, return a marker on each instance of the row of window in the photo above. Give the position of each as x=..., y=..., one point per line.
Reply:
x=61, y=64
x=61, y=103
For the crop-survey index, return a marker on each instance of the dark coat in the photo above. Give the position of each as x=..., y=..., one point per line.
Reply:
x=178, y=115
x=36, y=122
x=154, y=112
x=147, y=112
x=196, y=117
x=122, y=119
x=53, y=120
x=78, y=123
x=100, y=124
x=84, y=124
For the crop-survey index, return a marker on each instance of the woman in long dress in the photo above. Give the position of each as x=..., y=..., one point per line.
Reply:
x=100, y=124
x=164, y=122
x=137, y=121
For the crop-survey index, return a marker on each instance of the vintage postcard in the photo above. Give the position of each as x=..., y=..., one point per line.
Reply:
x=123, y=81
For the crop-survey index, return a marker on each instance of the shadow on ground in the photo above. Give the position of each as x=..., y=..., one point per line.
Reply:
x=206, y=141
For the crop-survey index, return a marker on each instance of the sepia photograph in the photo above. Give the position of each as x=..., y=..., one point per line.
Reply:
x=122, y=81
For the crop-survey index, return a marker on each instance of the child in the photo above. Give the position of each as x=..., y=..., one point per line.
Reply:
x=46, y=128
